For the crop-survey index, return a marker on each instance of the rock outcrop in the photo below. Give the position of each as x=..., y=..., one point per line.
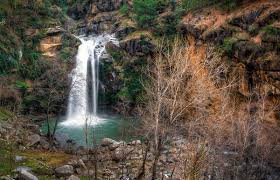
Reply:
x=248, y=36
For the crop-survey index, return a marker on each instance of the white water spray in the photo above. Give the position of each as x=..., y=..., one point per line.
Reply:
x=83, y=98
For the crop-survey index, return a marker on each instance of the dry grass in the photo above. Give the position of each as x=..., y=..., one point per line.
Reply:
x=191, y=93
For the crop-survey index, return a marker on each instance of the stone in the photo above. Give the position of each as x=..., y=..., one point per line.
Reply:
x=25, y=175
x=72, y=177
x=55, y=30
x=19, y=158
x=6, y=178
x=82, y=164
x=65, y=170
x=108, y=142
x=34, y=139
x=136, y=142
x=44, y=143
x=121, y=153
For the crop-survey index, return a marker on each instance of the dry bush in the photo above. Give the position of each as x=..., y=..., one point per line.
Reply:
x=191, y=93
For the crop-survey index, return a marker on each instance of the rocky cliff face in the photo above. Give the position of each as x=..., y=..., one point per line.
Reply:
x=249, y=38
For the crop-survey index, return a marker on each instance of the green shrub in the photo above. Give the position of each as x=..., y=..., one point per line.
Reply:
x=228, y=44
x=22, y=85
x=229, y=5
x=145, y=12
x=195, y=4
x=272, y=30
x=124, y=10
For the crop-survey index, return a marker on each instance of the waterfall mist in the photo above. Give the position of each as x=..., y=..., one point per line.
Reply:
x=83, y=97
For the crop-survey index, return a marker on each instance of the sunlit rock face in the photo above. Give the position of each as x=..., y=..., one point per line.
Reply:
x=249, y=38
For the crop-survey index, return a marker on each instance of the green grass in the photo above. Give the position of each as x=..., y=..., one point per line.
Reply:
x=5, y=114
x=40, y=162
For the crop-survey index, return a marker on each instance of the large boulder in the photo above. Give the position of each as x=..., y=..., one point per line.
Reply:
x=108, y=142
x=65, y=170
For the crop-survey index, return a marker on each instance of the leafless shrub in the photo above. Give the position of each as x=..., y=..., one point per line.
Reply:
x=191, y=92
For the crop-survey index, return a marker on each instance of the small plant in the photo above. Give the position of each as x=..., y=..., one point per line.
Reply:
x=145, y=12
x=22, y=85
x=124, y=10
x=228, y=44
x=272, y=30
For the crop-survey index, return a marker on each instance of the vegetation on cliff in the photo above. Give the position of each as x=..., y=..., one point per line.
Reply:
x=202, y=75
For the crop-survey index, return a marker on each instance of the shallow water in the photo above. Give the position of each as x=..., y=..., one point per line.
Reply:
x=114, y=127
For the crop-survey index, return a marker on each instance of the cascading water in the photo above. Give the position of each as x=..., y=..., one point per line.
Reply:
x=82, y=105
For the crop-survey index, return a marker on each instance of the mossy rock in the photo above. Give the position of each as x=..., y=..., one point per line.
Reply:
x=41, y=163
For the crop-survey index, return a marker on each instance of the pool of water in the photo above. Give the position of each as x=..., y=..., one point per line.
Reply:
x=114, y=127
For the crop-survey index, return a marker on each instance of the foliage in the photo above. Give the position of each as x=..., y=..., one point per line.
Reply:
x=228, y=44
x=5, y=114
x=33, y=67
x=22, y=85
x=229, y=5
x=272, y=30
x=195, y=4
x=124, y=10
x=145, y=12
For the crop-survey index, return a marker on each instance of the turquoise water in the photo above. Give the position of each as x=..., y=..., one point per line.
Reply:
x=113, y=127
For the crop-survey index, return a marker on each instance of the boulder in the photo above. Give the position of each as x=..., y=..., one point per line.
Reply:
x=55, y=30
x=72, y=177
x=44, y=143
x=82, y=164
x=121, y=153
x=25, y=175
x=136, y=142
x=108, y=142
x=65, y=170
x=33, y=139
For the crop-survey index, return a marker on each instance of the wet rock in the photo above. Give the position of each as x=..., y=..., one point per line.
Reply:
x=65, y=170
x=108, y=142
x=34, y=139
x=25, y=175
x=72, y=177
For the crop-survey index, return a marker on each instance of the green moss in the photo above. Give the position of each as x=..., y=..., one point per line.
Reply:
x=41, y=163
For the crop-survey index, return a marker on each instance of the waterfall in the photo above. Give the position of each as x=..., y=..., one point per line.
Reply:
x=83, y=96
